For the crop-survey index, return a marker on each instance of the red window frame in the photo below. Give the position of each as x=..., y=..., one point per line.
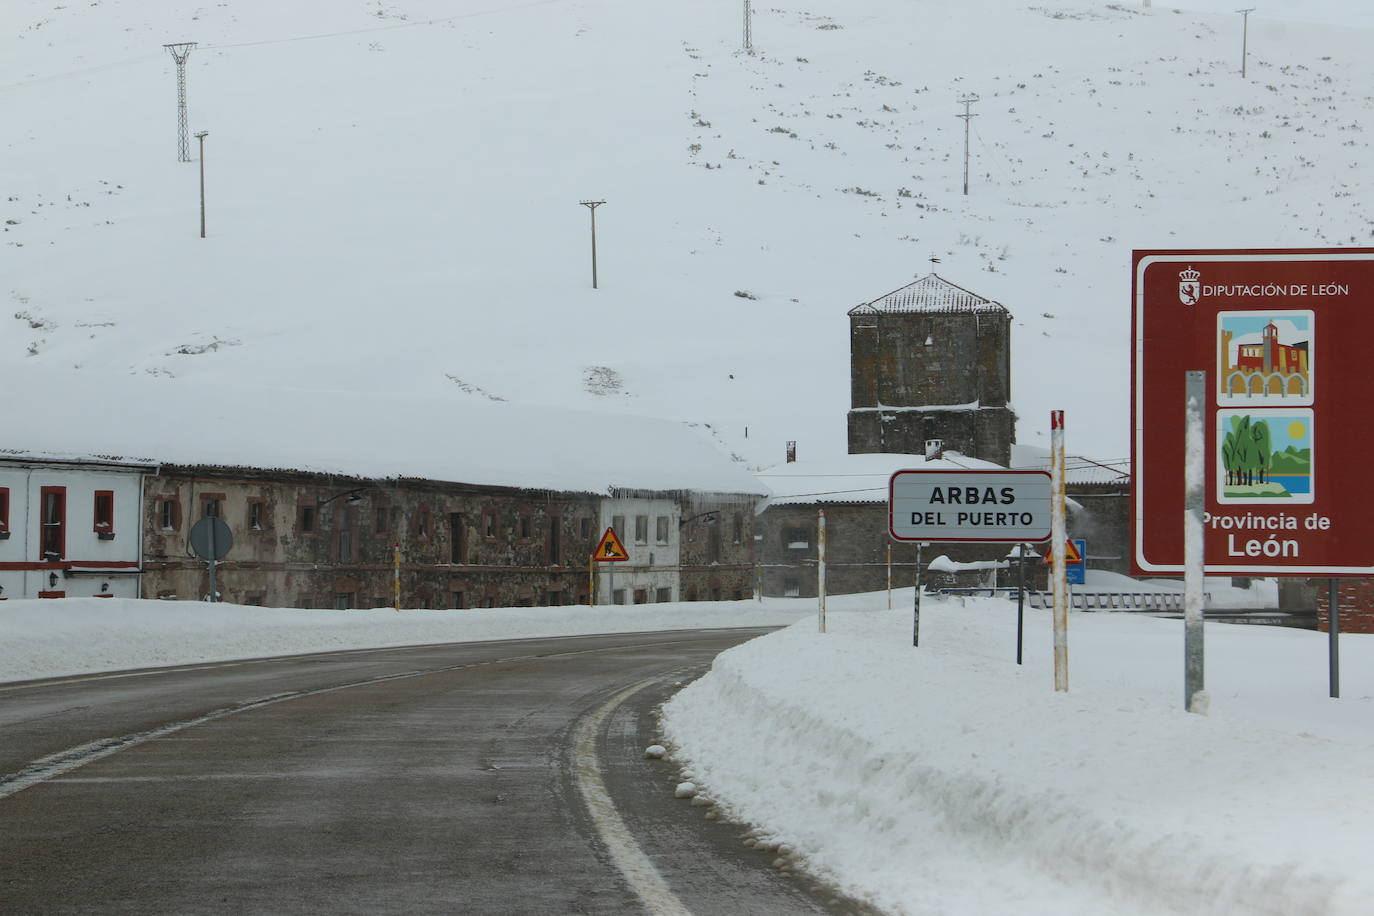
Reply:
x=4, y=511
x=103, y=514
x=54, y=533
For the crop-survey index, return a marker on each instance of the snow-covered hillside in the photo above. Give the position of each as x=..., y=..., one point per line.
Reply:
x=393, y=191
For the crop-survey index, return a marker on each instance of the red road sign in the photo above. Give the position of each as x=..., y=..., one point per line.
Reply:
x=1284, y=338
x=610, y=550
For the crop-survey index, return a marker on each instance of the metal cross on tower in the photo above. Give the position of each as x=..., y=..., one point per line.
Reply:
x=180, y=51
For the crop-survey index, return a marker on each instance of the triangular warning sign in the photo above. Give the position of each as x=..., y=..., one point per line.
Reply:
x=1071, y=554
x=610, y=550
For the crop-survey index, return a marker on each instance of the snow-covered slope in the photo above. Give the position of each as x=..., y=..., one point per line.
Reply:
x=393, y=191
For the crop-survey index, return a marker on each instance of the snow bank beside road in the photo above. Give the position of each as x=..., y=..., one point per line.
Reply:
x=946, y=779
x=48, y=638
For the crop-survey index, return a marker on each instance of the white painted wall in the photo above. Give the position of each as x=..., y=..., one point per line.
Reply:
x=653, y=564
x=84, y=548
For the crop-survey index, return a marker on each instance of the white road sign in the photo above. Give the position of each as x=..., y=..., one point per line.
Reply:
x=1010, y=506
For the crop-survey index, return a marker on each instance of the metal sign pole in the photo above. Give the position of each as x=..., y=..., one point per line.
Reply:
x=1195, y=396
x=916, y=606
x=1334, y=636
x=1020, y=600
x=213, y=555
x=820, y=568
x=396, y=576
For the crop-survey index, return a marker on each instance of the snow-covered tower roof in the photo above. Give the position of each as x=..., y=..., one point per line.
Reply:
x=931, y=293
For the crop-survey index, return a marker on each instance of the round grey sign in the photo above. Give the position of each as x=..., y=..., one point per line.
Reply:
x=211, y=539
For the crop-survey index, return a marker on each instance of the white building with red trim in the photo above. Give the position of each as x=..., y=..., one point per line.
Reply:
x=70, y=527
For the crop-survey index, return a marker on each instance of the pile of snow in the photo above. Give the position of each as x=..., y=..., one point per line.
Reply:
x=946, y=779
x=50, y=638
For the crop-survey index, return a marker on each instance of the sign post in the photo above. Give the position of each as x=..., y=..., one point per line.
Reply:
x=211, y=540
x=610, y=549
x=1281, y=335
x=966, y=506
x=1194, y=558
x=1059, y=534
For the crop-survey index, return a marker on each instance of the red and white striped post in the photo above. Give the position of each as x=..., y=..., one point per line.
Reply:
x=1058, y=538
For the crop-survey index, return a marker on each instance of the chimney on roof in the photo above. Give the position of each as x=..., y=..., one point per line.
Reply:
x=935, y=448
x=791, y=451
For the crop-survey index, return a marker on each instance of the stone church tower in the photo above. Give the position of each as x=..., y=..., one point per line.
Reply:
x=931, y=361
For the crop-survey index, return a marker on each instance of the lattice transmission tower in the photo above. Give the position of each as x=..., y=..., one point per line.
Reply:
x=748, y=27
x=181, y=51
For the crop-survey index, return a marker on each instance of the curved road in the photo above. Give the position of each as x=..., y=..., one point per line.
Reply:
x=492, y=777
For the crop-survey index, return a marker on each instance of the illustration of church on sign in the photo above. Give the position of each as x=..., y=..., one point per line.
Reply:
x=1264, y=356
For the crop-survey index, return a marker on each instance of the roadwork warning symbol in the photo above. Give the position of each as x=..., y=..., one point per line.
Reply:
x=610, y=550
x=1072, y=554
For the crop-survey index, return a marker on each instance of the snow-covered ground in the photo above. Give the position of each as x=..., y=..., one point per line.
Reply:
x=948, y=780
x=944, y=779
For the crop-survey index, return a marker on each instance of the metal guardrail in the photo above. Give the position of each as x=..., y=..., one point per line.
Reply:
x=1085, y=600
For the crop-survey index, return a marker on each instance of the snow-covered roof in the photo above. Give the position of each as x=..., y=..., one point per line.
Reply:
x=853, y=478
x=1077, y=469
x=458, y=440
x=931, y=293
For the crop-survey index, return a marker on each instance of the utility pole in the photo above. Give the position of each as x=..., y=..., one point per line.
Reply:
x=180, y=51
x=201, y=135
x=1244, y=37
x=748, y=27
x=966, y=101
x=592, y=205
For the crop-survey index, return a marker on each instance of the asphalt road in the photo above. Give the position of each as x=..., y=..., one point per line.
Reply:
x=496, y=777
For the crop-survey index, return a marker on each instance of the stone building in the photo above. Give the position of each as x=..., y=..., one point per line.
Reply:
x=931, y=360
x=321, y=541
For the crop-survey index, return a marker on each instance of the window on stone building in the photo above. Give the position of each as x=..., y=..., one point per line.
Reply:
x=457, y=538
x=305, y=519
x=212, y=505
x=584, y=527
x=713, y=539
x=661, y=529
x=526, y=525
x=379, y=601
x=641, y=529
x=256, y=519
x=692, y=593
x=459, y=600
x=715, y=593
x=618, y=596
x=4, y=511
x=796, y=537
x=737, y=595
x=343, y=601
x=618, y=523
x=169, y=514
x=423, y=522
x=305, y=602
x=345, y=535
x=489, y=527
x=379, y=520
x=555, y=598
x=739, y=528
x=791, y=587
x=663, y=595
x=254, y=599
x=103, y=514
x=641, y=596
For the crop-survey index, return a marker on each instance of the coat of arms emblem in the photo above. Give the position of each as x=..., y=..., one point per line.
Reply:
x=1189, y=289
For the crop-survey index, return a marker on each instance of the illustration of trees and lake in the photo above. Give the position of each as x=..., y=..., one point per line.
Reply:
x=1265, y=456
